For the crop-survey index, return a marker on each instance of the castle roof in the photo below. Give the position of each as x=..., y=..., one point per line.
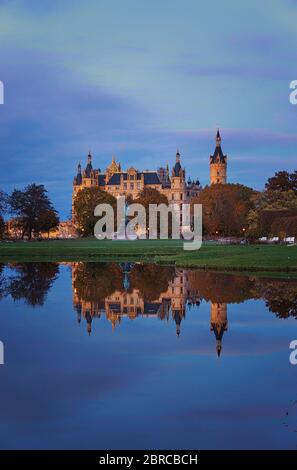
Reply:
x=218, y=156
x=150, y=177
x=219, y=330
x=101, y=180
x=177, y=167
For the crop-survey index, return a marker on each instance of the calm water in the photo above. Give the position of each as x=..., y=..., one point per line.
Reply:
x=138, y=356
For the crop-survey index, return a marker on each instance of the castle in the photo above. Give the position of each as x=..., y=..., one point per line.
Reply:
x=131, y=182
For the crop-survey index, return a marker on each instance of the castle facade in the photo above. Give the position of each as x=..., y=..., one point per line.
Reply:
x=131, y=182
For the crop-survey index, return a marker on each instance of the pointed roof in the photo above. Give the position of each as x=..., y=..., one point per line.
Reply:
x=177, y=167
x=218, y=156
x=89, y=167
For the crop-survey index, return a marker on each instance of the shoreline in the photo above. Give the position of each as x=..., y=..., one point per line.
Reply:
x=251, y=259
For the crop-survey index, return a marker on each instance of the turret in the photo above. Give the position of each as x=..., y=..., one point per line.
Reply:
x=218, y=323
x=78, y=178
x=218, y=163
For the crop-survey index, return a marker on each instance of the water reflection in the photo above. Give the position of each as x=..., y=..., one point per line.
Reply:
x=137, y=290
x=133, y=290
x=170, y=324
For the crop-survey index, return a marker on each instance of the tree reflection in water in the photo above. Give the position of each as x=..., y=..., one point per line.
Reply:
x=31, y=281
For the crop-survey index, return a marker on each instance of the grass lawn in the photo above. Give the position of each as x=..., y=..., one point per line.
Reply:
x=220, y=257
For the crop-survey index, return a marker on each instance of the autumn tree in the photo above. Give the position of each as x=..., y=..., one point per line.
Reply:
x=47, y=221
x=224, y=208
x=268, y=206
x=29, y=206
x=152, y=196
x=84, y=205
x=285, y=226
x=282, y=181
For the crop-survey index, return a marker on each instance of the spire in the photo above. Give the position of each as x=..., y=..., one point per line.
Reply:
x=218, y=138
x=89, y=167
x=79, y=175
x=176, y=171
x=219, y=348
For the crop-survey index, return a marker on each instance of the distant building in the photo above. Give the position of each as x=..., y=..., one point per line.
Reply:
x=63, y=230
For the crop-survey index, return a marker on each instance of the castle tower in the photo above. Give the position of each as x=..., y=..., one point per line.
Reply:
x=178, y=182
x=90, y=176
x=218, y=322
x=114, y=167
x=218, y=164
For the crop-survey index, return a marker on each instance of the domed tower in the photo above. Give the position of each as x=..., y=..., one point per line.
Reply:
x=218, y=164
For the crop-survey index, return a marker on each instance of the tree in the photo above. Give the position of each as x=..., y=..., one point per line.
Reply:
x=2, y=227
x=268, y=206
x=152, y=196
x=47, y=221
x=225, y=208
x=84, y=205
x=282, y=181
x=29, y=207
x=3, y=202
x=285, y=227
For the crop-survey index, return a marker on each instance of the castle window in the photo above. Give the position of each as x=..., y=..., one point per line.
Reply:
x=138, y=186
x=131, y=177
x=132, y=186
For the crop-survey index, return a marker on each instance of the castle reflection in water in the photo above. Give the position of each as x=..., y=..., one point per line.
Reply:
x=133, y=290
x=160, y=292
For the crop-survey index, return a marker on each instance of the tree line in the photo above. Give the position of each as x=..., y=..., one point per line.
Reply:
x=228, y=209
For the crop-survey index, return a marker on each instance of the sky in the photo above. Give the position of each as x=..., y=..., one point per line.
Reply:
x=138, y=79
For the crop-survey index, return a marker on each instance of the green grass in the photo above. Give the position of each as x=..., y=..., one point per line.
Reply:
x=236, y=257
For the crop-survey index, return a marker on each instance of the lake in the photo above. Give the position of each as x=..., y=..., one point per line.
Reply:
x=135, y=356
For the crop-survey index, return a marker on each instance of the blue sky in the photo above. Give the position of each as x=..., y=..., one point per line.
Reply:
x=140, y=79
